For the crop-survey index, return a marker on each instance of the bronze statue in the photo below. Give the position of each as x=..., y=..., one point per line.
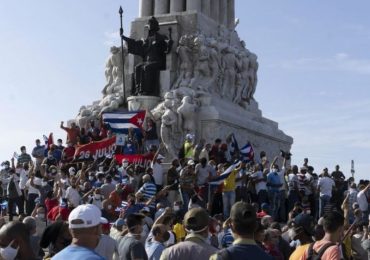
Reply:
x=153, y=50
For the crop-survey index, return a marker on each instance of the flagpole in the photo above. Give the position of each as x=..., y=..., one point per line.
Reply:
x=120, y=11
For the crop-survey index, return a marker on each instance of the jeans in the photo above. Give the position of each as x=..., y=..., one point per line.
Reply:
x=324, y=200
x=262, y=197
x=274, y=198
x=228, y=199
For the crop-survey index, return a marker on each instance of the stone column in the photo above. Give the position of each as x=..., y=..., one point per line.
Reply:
x=161, y=6
x=223, y=12
x=194, y=5
x=145, y=8
x=177, y=6
x=231, y=14
x=215, y=10
x=206, y=7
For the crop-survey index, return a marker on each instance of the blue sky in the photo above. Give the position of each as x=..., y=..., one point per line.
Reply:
x=313, y=78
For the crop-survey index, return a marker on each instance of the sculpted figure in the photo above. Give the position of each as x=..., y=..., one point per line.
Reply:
x=186, y=113
x=214, y=64
x=229, y=65
x=153, y=51
x=185, y=63
x=168, y=128
x=201, y=68
x=253, y=67
x=113, y=71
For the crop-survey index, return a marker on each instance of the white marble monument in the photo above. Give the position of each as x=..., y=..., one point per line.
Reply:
x=209, y=74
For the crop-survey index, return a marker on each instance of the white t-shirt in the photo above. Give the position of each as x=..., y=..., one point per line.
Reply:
x=157, y=173
x=260, y=185
x=73, y=196
x=325, y=185
x=32, y=190
x=23, y=178
x=362, y=200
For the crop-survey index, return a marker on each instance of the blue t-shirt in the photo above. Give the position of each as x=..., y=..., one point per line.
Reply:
x=77, y=253
x=273, y=182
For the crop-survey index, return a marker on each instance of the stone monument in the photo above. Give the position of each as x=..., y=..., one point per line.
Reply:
x=206, y=83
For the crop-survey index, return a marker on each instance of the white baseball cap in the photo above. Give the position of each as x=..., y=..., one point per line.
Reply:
x=85, y=216
x=72, y=171
x=160, y=157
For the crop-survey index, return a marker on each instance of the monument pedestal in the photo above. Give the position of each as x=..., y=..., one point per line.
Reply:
x=220, y=119
x=136, y=103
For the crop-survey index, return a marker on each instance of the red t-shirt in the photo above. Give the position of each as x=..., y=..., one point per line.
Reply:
x=50, y=203
x=54, y=212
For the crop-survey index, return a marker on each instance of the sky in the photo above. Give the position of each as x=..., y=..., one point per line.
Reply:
x=313, y=76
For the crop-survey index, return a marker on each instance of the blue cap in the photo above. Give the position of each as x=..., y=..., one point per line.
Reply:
x=119, y=222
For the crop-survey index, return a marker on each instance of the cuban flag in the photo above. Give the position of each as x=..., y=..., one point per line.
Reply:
x=247, y=152
x=234, y=145
x=121, y=122
x=225, y=174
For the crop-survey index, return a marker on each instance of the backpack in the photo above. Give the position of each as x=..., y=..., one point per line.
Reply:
x=313, y=255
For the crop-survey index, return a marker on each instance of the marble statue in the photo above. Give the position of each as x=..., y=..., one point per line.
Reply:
x=215, y=65
x=202, y=70
x=253, y=68
x=113, y=71
x=186, y=112
x=185, y=66
x=229, y=63
x=169, y=128
x=153, y=51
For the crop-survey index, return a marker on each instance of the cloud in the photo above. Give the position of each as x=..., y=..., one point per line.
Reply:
x=111, y=38
x=340, y=62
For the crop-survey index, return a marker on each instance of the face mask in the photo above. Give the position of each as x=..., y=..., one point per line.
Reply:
x=82, y=188
x=218, y=228
x=124, y=165
x=176, y=208
x=44, y=183
x=60, y=144
x=9, y=253
x=109, y=207
x=91, y=178
x=41, y=216
x=98, y=197
x=292, y=234
x=274, y=170
x=101, y=168
x=178, y=168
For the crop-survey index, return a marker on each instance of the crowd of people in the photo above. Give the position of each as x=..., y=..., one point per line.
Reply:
x=208, y=203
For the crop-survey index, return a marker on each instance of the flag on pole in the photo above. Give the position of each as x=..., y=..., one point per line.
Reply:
x=247, y=152
x=234, y=149
x=121, y=122
x=225, y=174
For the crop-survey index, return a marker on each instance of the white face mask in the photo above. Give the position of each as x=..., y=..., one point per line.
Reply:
x=98, y=197
x=91, y=178
x=109, y=207
x=124, y=165
x=9, y=253
x=176, y=208
x=101, y=168
x=41, y=216
x=178, y=168
x=218, y=228
x=44, y=183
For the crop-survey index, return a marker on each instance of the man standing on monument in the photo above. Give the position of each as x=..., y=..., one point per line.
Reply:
x=153, y=50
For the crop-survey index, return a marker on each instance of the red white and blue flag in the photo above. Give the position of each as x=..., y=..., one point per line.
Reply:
x=121, y=122
x=247, y=152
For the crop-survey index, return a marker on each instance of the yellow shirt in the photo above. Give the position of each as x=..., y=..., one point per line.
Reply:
x=179, y=231
x=299, y=252
x=229, y=182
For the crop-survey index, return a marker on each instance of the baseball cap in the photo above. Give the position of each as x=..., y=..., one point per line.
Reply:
x=72, y=171
x=160, y=157
x=243, y=213
x=196, y=220
x=304, y=221
x=119, y=222
x=145, y=209
x=191, y=162
x=84, y=216
x=303, y=168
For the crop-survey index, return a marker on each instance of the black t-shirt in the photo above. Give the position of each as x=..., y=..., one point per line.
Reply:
x=130, y=248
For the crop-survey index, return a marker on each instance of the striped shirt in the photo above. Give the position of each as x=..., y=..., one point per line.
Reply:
x=148, y=190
